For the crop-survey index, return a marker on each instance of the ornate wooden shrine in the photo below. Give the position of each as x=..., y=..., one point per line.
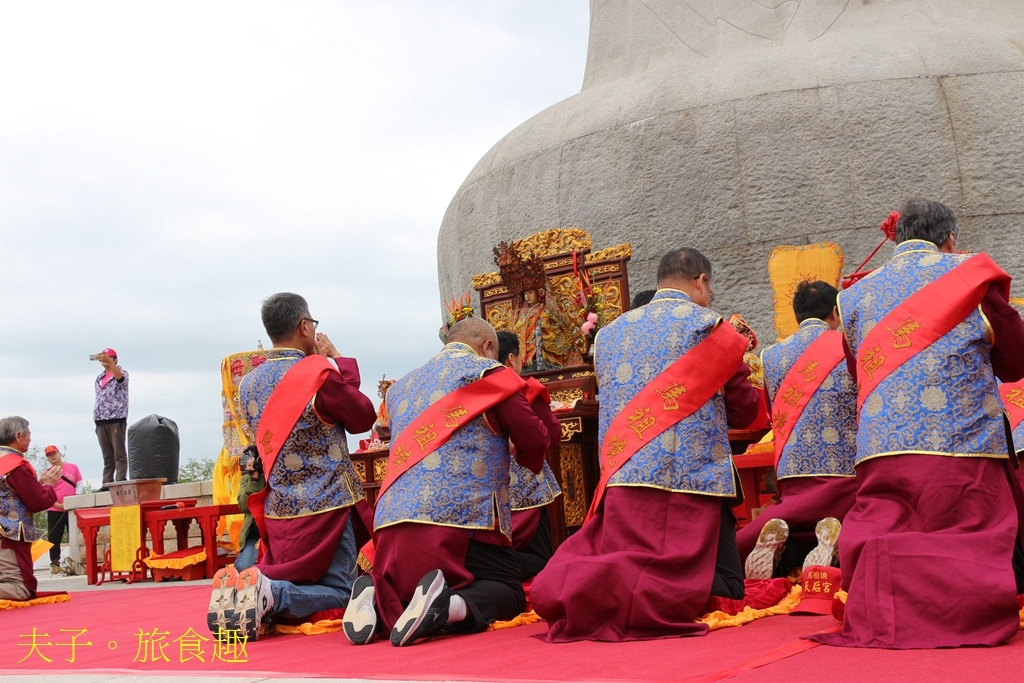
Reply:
x=565, y=253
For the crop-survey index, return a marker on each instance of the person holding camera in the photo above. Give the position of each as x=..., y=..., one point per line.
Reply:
x=110, y=414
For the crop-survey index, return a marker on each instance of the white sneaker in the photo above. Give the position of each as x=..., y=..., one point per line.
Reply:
x=360, y=621
x=827, y=531
x=427, y=613
x=254, y=602
x=762, y=559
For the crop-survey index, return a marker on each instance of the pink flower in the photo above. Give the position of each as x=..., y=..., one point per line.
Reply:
x=588, y=326
x=592, y=317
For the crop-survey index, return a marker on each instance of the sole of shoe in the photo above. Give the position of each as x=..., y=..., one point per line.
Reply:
x=220, y=616
x=360, y=621
x=248, y=616
x=761, y=561
x=427, y=591
x=827, y=531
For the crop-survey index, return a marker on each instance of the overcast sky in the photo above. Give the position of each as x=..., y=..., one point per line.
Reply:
x=165, y=167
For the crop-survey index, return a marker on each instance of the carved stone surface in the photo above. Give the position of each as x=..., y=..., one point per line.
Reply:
x=737, y=125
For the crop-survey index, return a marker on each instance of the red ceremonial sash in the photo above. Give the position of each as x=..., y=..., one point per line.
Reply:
x=434, y=426
x=535, y=389
x=916, y=323
x=284, y=408
x=675, y=394
x=1013, y=401
x=801, y=382
x=10, y=461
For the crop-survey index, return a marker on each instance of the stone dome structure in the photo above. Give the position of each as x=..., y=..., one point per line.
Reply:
x=735, y=126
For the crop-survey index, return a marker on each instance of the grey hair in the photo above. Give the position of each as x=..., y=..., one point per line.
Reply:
x=10, y=428
x=925, y=219
x=282, y=313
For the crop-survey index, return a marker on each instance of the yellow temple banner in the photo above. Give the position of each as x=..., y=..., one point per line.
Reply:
x=227, y=477
x=788, y=266
x=125, y=534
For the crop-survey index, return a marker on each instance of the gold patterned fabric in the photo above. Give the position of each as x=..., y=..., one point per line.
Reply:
x=313, y=472
x=548, y=338
x=944, y=399
x=528, y=490
x=15, y=520
x=226, y=474
x=824, y=441
x=464, y=483
x=693, y=456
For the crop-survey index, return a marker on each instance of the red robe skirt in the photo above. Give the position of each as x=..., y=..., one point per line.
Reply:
x=640, y=569
x=926, y=554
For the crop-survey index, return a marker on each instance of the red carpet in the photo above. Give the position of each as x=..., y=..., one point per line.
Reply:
x=771, y=645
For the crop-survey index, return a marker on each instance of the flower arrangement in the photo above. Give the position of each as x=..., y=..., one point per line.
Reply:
x=459, y=309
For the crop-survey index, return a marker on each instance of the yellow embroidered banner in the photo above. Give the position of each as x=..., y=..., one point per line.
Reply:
x=125, y=534
x=789, y=266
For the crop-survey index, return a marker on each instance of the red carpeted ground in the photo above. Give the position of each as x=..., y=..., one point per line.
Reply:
x=148, y=630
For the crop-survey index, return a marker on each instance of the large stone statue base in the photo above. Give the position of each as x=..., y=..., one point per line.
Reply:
x=735, y=127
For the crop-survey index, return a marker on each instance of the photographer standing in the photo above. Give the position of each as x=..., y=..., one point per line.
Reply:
x=111, y=416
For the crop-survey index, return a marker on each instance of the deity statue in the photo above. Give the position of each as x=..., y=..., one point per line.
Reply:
x=549, y=338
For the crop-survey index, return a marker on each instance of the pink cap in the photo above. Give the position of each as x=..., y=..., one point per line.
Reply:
x=110, y=352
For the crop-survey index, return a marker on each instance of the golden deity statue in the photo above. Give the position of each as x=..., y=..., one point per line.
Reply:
x=549, y=338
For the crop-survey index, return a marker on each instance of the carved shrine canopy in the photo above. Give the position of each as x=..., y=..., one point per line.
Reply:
x=564, y=253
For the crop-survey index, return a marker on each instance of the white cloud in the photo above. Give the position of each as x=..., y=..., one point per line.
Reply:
x=166, y=167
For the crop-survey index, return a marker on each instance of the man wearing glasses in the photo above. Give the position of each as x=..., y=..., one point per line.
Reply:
x=298, y=406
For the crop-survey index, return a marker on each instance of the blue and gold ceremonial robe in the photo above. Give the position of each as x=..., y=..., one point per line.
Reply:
x=942, y=401
x=693, y=456
x=313, y=472
x=464, y=483
x=824, y=441
x=16, y=522
x=527, y=490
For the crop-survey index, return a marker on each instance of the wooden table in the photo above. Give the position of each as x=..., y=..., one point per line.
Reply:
x=752, y=469
x=206, y=517
x=91, y=520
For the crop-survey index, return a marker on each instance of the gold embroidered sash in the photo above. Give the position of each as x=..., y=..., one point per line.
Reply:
x=675, y=394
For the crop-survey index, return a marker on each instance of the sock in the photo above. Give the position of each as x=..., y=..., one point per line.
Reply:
x=457, y=609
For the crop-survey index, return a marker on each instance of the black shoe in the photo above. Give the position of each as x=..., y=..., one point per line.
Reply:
x=427, y=612
x=360, y=622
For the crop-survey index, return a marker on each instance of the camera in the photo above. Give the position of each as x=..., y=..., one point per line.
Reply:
x=250, y=461
x=95, y=356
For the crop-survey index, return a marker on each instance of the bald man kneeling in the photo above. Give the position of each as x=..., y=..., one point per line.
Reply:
x=444, y=559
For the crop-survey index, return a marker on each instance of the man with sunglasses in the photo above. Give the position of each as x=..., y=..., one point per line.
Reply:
x=298, y=406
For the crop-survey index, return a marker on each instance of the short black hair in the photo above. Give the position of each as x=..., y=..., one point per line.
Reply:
x=508, y=343
x=643, y=298
x=925, y=219
x=685, y=263
x=282, y=313
x=814, y=300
